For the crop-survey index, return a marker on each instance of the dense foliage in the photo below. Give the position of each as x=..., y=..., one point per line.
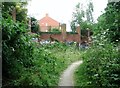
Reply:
x=101, y=62
x=15, y=7
x=101, y=66
x=112, y=15
x=34, y=25
x=83, y=16
x=26, y=63
x=110, y=20
x=23, y=60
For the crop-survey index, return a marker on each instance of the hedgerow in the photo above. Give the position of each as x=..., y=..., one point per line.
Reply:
x=26, y=63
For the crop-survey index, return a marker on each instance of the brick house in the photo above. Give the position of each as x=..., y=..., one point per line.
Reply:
x=47, y=23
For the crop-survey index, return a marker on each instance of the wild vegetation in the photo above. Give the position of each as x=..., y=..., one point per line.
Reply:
x=101, y=66
x=34, y=25
x=101, y=62
x=27, y=63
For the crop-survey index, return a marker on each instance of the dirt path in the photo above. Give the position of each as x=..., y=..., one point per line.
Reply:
x=66, y=78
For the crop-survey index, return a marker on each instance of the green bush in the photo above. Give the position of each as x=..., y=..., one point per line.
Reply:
x=17, y=49
x=25, y=62
x=101, y=66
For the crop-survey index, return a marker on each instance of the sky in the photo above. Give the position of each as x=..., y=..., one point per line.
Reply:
x=61, y=10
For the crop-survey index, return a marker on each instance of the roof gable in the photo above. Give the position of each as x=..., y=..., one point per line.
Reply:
x=48, y=21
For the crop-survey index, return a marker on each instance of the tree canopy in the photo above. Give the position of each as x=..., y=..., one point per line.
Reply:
x=82, y=16
x=110, y=22
x=15, y=7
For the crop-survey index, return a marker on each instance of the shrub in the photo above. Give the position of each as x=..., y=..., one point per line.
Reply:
x=101, y=64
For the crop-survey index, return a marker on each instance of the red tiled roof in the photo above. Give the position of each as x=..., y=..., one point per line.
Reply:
x=48, y=21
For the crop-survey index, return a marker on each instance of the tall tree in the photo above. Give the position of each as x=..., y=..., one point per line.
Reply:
x=112, y=18
x=83, y=16
x=109, y=21
x=89, y=11
x=78, y=16
x=34, y=25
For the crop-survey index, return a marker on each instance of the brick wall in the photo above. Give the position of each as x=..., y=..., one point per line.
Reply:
x=64, y=36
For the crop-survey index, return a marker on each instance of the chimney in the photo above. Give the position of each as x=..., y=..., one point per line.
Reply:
x=46, y=14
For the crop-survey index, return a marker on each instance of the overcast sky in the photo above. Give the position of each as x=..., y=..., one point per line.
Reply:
x=61, y=10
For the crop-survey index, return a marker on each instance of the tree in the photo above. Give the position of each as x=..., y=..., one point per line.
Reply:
x=112, y=16
x=21, y=12
x=110, y=22
x=34, y=25
x=78, y=16
x=100, y=25
x=89, y=12
x=19, y=7
x=82, y=16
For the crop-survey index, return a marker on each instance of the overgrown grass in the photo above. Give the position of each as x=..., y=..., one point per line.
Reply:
x=64, y=54
x=67, y=53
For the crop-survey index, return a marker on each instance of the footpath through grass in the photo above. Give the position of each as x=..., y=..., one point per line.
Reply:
x=65, y=55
